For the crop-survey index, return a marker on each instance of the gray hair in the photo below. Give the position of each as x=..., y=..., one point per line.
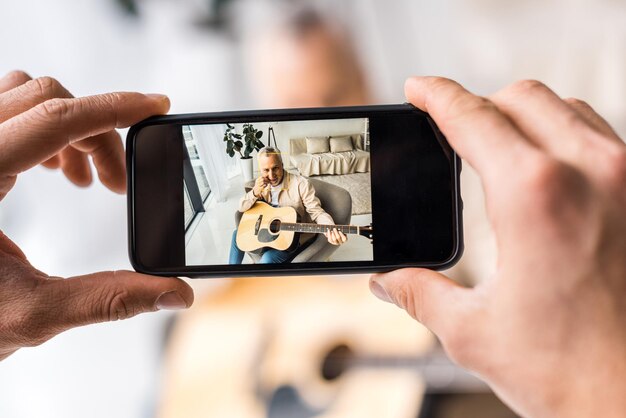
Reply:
x=298, y=19
x=270, y=151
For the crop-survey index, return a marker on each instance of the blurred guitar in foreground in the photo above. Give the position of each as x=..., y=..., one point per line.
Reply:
x=300, y=347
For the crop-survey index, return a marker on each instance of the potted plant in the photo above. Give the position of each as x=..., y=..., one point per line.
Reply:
x=244, y=144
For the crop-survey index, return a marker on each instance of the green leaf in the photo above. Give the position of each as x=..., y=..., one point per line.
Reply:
x=259, y=134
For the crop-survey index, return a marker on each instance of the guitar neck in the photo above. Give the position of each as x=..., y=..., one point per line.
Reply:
x=318, y=228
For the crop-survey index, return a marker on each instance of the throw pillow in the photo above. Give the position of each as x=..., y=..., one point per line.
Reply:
x=317, y=144
x=341, y=144
x=357, y=141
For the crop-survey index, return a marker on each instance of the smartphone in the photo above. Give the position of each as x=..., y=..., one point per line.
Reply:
x=292, y=192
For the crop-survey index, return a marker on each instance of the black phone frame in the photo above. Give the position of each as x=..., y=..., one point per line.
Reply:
x=320, y=268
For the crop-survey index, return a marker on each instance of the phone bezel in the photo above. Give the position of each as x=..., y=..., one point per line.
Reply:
x=348, y=267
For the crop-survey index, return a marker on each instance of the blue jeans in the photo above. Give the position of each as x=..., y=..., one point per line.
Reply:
x=269, y=255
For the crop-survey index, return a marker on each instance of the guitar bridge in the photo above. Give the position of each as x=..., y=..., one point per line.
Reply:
x=257, y=225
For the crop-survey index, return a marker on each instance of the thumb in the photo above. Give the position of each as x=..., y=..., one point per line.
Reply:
x=428, y=296
x=113, y=295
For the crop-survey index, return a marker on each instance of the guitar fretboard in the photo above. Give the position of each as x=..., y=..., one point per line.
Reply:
x=318, y=229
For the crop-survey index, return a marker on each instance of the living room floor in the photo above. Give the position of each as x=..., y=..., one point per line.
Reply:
x=209, y=236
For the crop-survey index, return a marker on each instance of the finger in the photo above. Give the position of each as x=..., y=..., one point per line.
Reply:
x=75, y=166
x=343, y=237
x=12, y=80
x=39, y=133
x=593, y=118
x=9, y=247
x=547, y=120
x=107, y=152
x=109, y=296
x=6, y=353
x=106, y=149
x=473, y=125
x=6, y=184
x=429, y=297
x=340, y=237
x=30, y=94
x=52, y=163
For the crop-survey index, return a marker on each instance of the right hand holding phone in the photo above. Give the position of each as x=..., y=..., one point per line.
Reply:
x=548, y=330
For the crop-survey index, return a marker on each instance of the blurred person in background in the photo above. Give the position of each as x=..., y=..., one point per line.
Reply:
x=302, y=58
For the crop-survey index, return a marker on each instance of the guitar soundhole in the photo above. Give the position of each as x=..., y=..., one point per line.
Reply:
x=336, y=362
x=275, y=226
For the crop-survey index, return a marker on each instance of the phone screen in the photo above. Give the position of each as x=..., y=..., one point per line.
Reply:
x=273, y=205
x=347, y=189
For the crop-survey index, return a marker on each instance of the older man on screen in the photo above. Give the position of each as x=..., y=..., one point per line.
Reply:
x=279, y=188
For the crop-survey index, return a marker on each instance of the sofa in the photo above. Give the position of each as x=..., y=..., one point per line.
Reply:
x=340, y=154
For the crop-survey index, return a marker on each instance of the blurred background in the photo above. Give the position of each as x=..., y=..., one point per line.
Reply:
x=267, y=348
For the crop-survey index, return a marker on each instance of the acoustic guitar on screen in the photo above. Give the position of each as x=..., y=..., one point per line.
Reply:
x=264, y=226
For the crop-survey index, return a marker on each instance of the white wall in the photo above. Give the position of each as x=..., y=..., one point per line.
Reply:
x=284, y=131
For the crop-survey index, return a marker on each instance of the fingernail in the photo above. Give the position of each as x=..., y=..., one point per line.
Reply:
x=157, y=96
x=162, y=101
x=171, y=301
x=379, y=291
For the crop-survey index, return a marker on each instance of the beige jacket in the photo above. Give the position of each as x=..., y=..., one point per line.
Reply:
x=296, y=192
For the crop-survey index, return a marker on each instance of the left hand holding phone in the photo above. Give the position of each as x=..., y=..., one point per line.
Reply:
x=42, y=123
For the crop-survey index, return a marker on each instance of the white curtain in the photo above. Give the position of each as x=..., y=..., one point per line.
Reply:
x=218, y=166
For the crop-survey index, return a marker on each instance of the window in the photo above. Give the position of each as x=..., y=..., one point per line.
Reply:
x=196, y=185
x=189, y=212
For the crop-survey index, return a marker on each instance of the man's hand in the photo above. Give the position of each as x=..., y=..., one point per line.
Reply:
x=260, y=184
x=40, y=122
x=335, y=237
x=548, y=330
